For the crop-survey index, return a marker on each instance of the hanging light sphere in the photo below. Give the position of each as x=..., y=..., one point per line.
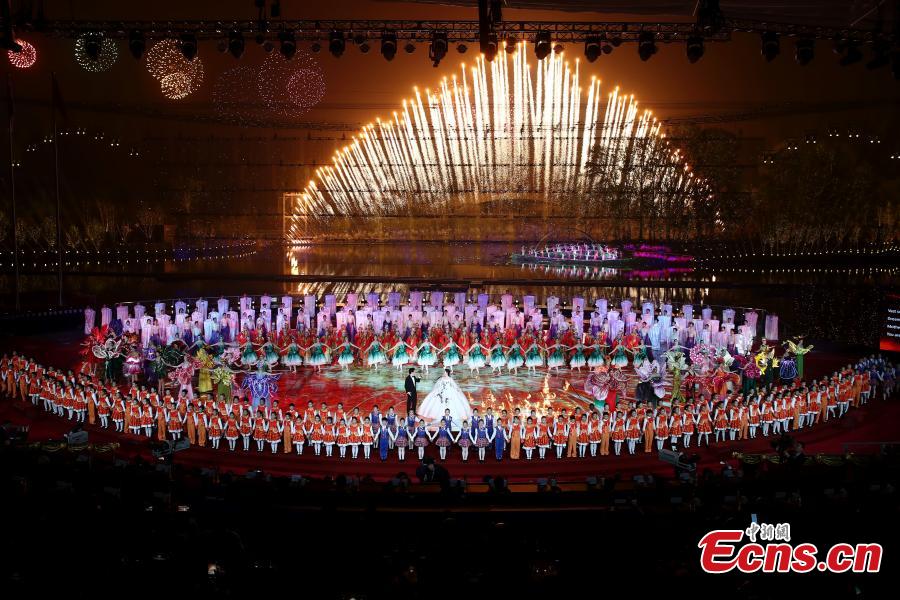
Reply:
x=95, y=53
x=24, y=58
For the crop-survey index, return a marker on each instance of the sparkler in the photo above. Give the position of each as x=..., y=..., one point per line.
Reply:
x=504, y=128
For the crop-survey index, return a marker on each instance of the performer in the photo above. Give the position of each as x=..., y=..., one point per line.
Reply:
x=464, y=439
x=411, y=391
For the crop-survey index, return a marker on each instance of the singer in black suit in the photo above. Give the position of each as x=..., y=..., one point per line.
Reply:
x=411, y=398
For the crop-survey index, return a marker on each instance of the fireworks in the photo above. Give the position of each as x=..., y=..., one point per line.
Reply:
x=178, y=78
x=292, y=86
x=95, y=53
x=501, y=129
x=278, y=88
x=24, y=58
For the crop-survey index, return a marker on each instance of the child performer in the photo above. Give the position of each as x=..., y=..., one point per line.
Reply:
x=421, y=438
x=400, y=436
x=583, y=435
x=560, y=435
x=214, y=427
x=385, y=441
x=259, y=431
x=543, y=438
x=298, y=434
x=618, y=432
x=464, y=439
x=442, y=438
x=317, y=434
x=367, y=437
x=274, y=432
x=500, y=439
x=632, y=431
x=515, y=438
x=482, y=439
x=328, y=436
x=529, y=437
x=343, y=438
x=231, y=431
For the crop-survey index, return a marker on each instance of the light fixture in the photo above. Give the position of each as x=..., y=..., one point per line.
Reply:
x=438, y=48
x=542, y=45
x=236, y=43
x=461, y=48
x=558, y=49
x=646, y=45
x=336, y=43
x=136, y=44
x=288, y=44
x=389, y=45
x=510, y=45
x=364, y=48
x=488, y=48
x=695, y=48
x=409, y=48
x=770, y=45
x=852, y=54
x=189, y=46
x=316, y=47
x=804, y=50
x=592, y=48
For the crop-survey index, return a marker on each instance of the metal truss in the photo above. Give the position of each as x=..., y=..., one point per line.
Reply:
x=457, y=31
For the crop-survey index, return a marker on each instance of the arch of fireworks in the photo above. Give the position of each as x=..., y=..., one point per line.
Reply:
x=498, y=129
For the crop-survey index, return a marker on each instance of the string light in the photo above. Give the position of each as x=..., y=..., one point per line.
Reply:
x=95, y=53
x=25, y=58
x=177, y=76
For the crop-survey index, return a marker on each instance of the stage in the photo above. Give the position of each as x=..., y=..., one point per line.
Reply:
x=363, y=388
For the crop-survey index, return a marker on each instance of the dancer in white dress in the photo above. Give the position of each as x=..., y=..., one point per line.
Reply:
x=443, y=396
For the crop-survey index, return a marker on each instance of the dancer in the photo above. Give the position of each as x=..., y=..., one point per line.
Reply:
x=464, y=439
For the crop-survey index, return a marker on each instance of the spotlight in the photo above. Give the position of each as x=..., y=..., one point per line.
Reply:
x=268, y=46
x=542, y=45
x=558, y=49
x=646, y=45
x=510, y=44
x=236, y=43
x=489, y=48
x=189, y=46
x=409, y=48
x=881, y=55
x=388, y=45
x=364, y=48
x=93, y=42
x=288, y=44
x=438, y=48
x=316, y=47
x=770, y=45
x=852, y=54
x=592, y=49
x=336, y=43
x=136, y=44
x=695, y=48
x=461, y=48
x=804, y=50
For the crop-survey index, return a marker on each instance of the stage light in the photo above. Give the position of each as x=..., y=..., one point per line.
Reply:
x=542, y=45
x=852, y=54
x=268, y=46
x=694, y=48
x=364, y=48
x=438, y=48
x=880, y=55
x=489, y=48
x=646, y=45
x=770, y=45
x=804, y=50
x=592, y=49
x=25, y=57
x=189, y=46
x=461, y=48
x=236, y=43
x=316, y=47
x=336, y=43
x=288, y=45
x=388, y=45
x=409, y=48
x=510, y=45
x=136, y=44
x=558, y=49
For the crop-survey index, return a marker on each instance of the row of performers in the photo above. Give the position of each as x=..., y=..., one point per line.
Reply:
x=732, y=417
x=496, y=351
